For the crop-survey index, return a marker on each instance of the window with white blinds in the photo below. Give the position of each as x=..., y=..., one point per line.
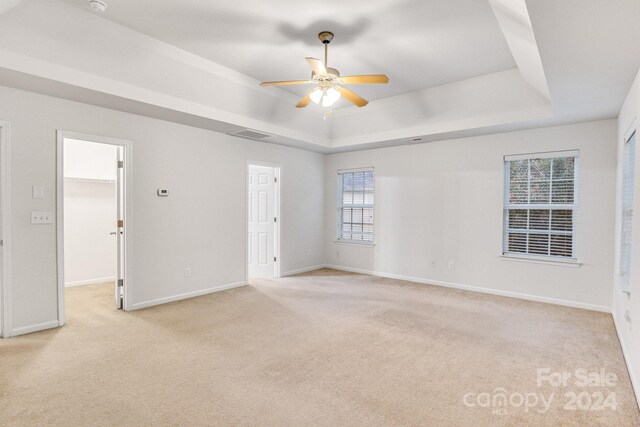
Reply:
x=355, y=205
x=540, y=205
x=628, y=173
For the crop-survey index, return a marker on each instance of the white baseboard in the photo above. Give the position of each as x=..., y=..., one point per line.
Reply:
x=158, y=301
x=34, y=328
x=497, y=292
x=627, y=359
x=303, y=270
x=90, y=281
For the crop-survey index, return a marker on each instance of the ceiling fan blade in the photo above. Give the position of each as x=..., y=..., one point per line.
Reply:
x=317, y=66
x=285, y=83
x=355, y=99
x=304, y=102
x=369, y=79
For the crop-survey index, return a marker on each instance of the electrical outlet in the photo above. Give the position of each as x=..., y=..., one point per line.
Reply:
x=434, y=263
x=451, y=265
x=187, y=272
x=41, y=217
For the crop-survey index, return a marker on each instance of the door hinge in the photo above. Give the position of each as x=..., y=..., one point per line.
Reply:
x=275, y=219
x=120, y=164
x=275, y=179
x=120, y=282
x=1, y=242
x=275, y=259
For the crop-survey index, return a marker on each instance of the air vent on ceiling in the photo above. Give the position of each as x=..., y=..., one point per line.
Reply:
x=251, y=134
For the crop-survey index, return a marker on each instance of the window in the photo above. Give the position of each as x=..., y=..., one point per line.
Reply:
x=628, y=173
x=355, y=205
x=540, y=205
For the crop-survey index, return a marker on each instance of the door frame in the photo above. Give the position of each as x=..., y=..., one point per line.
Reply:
x=6, y=318
x=127, y=145
x=277, y=235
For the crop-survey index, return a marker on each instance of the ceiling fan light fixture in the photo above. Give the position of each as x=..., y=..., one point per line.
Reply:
x=326, y=96
x=316, y=95
x=331, y=96
x=329, y=83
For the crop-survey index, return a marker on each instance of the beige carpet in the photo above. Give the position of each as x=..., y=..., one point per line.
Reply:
x=327, y=348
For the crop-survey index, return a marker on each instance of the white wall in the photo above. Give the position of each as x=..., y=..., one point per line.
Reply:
x=200, y=225
x=629, y=333
x=443, y=201
x=89, y=212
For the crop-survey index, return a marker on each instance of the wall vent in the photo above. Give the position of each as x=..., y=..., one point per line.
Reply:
x=251, y=134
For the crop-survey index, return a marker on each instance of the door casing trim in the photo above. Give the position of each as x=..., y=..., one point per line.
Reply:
x=61, y=135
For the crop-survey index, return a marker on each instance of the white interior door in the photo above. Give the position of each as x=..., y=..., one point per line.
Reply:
x=261, y=216
x=120, y=226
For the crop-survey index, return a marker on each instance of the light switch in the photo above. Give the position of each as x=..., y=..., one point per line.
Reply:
x=41, y=217
x=37, y=192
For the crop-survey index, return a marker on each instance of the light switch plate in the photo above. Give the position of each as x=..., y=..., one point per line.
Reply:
x=37, y=192
x=41, y=217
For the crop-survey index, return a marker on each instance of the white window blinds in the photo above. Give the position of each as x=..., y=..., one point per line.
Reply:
x=540, y=205
x=628, y=173
x=355, y=205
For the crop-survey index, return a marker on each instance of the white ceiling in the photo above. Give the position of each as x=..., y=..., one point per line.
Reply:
x=452, y=63
x=417, y=43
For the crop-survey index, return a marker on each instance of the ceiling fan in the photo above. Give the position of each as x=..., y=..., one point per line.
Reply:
x=328, y=82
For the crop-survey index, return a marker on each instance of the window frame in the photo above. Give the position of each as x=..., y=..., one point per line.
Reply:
x=341, y=205
x=574, y=207
x=628, y=160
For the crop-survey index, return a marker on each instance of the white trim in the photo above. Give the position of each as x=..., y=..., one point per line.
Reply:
x=555, y=301
x=35, y=328
x=277, y=232
x=635, y=382
x=540, y=260
x=354, y=242
x=90, y=281
x=6, y=313
x=61, y=135
x=542, y=155
x=364, y=169
x=304, y=270
x=186, y=295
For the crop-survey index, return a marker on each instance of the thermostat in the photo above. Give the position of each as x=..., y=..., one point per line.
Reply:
x=163, y=193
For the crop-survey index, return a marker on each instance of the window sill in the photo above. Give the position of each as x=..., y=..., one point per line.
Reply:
x=546, y=261
x=354, y=243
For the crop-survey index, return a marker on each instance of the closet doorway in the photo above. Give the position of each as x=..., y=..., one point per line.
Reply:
x=92, y=220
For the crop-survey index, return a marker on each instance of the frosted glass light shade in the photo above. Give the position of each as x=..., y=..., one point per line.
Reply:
x=331, y=96
x=316, y=95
